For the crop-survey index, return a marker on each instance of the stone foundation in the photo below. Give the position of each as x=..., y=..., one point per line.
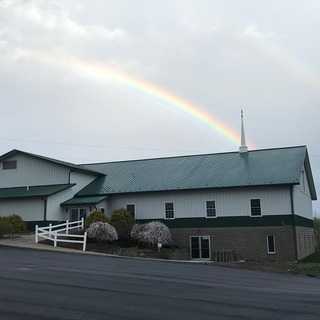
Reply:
x=247, y=242
x=305, y=242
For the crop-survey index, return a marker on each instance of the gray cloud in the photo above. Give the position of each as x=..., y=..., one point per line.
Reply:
x=218, y=55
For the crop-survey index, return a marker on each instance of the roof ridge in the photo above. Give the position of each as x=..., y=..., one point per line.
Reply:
x=190, y=155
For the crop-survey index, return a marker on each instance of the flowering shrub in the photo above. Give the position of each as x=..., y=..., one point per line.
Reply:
x=152, y=233
x=102, y=231
x=136, y=231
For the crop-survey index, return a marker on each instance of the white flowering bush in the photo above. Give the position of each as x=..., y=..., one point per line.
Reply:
x=102, y=231
x=151, y=233
x=136, y=231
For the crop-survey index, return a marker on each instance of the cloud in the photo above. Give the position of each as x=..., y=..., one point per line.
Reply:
x=29, y=22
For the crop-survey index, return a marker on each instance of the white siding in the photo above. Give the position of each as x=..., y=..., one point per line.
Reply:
x=54, y=210
x=28, y=209
x=187, y=204
x=302, y=198
x=32, y=171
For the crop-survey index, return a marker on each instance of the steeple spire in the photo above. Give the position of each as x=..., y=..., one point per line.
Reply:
x=243, y=148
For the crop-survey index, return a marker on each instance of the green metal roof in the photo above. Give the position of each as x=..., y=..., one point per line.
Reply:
x=33, y=191
x=83, y=200
x=73, y=166
x=233, y=169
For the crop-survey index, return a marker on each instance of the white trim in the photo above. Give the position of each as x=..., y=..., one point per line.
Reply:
x=164, y=206
x=274, y=244
x=200, y=249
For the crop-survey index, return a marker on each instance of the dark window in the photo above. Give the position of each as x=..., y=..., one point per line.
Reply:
x=211, y=208
x=200, y=247
x=169, y=210
x=82, y=213
x=255, y=207
x=271, y=244
x=195, y=248
x=102, y=209
x=10, y=164
x=131, y=209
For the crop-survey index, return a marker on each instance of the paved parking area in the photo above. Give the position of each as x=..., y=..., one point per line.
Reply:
x=52, y=285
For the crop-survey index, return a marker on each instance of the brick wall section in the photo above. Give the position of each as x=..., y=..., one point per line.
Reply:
x=305, y=241
x=248, y=243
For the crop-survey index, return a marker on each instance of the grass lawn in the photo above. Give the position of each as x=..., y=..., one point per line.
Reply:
x=309, y=265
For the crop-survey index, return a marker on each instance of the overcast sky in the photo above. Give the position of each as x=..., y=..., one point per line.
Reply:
x=220, y=55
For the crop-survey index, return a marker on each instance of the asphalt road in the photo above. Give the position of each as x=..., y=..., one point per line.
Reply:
x=48, y=285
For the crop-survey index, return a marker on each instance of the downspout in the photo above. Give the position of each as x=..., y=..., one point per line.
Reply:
x=293, y=224
x=45, y=209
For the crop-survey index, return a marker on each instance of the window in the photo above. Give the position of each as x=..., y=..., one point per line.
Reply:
x=211, y=208
x=169, y=210
x=255, y=208
x=271, y=245
x=9, y=164
x=102, y=209
x=131, y=209
x=200, y=247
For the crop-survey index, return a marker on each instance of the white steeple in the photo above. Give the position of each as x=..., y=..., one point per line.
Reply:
x=243, y=148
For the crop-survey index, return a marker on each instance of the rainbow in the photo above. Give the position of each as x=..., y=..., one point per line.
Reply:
x=108, y=72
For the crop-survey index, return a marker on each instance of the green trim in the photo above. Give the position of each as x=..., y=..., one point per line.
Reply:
x=236, y=221
x=83, y=201
x=33, y=191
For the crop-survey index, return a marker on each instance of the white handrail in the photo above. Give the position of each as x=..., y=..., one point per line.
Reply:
x=56, y=236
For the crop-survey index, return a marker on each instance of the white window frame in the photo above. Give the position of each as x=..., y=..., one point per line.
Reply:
x=165, y=214
x=255, y=216
x=274, y=244
x=200, y=249
x=206, y=211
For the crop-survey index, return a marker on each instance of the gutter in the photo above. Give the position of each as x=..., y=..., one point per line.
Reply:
x=293, y=223
x=45, y=202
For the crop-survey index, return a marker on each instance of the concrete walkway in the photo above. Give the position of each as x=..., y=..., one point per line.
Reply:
x=28, y=241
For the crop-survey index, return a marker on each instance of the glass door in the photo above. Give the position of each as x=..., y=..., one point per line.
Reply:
x=200, y=247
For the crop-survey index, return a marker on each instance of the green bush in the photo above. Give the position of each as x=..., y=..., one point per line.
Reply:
x=95, y=216
x=5, y=226
x=11, y=224
x=17, y=223
x=123, y=221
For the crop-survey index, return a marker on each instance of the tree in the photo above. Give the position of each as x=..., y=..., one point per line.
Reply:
x=95, y=216
x=123, y=221
x=102, y=231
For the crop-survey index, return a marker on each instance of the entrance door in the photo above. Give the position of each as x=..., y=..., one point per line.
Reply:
x=77, y=213
x=74, y=214
x=200, y=247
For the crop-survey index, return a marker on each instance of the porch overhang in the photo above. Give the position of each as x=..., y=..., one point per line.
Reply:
x=78, y=201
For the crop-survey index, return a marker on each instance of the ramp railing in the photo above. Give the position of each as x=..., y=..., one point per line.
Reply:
x=61, y=233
